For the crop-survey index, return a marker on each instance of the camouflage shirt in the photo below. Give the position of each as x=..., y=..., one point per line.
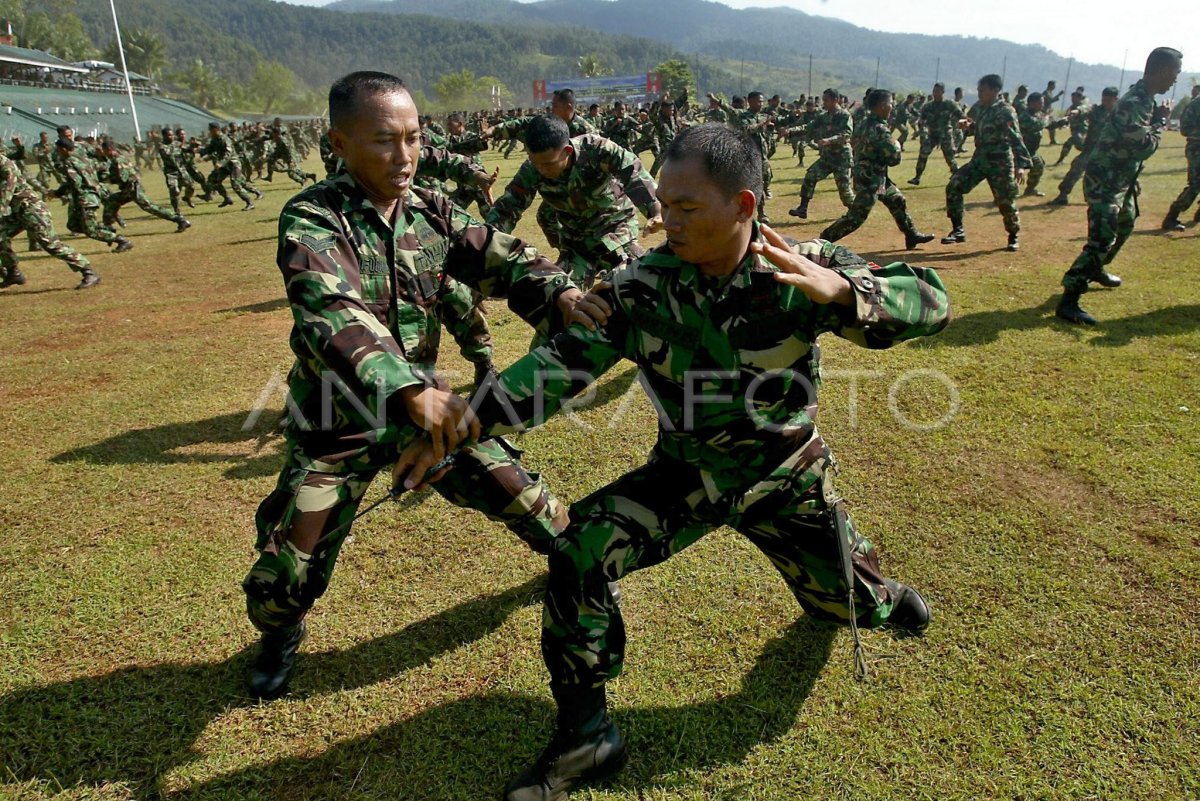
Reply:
x=515, y=128
x=835, y=125
x=171, y=156
x=119, y=170
x=940, y=116
x=220, y=150
x=731, y=363
x=1095, y=124
x=15, y=190
x=1031, y=126
x=874, y=151
x=1126, y=139
x=1189, y=120
x=593, y=201
x=622, y=130
x=79, y=177
x=997, y=137
x=365, y=294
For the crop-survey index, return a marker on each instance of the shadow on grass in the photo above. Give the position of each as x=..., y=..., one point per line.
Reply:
x=1157, y=323
x=274, y=304
x=135, y=725
x=157, y=445
x=468, y=749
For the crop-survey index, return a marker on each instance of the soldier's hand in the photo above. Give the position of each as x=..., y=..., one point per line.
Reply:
x=822, y=285
x=487, y=188
x=654, y=224
x=1020, y=175
x=448, y=418
x=414, y=465
x=590, y=310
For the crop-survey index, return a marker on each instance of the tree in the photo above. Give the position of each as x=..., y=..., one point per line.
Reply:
x=64, y=37
x=144, y=52
x=593, y=66
x=206, y=87
x=271, y=84
x=456, y=88
x=677, y=78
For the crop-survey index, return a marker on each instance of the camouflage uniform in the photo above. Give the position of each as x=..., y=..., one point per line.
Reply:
x=170, y=154
x=1126, y=139
x=283, y=153
x=47, y=176
x=664, y=134
x=85, y=195
x=998, y=152
x=1095, y=120
x=226, y=164
x=124, y=175
x=1078, y=119
x=22, y=209
x=758, y=126
x=766, y=472
x=1189, y=126
x=328, y=157
x=899, y=121
x=874, y=152
x=592, y=207
x=1031, y=126
x=365, y=294
x=835, y=158
x=938, y=120
x=469, y=145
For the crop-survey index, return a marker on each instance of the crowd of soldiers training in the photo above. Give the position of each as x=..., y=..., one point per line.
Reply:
x=854, y=142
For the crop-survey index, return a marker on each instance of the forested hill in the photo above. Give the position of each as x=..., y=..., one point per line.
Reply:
x=782, y=37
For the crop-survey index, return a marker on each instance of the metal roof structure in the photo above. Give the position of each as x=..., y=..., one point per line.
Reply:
x=36, y=58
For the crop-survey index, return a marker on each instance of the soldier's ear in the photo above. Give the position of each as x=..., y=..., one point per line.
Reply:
x=337, y=141
x=747, y=206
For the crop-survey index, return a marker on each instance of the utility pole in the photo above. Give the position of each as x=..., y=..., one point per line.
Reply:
x=810, y=74
x=937, y=72
x=876, y=86
x=1004, y=70
x=1067, y=83
x=1124, y=61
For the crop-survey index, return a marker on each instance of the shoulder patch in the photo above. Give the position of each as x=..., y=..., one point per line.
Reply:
x=318, y=244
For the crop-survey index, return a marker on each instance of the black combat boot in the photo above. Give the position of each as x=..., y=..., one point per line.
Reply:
x=206, y=197
x=801, y=211
x=1014, y=243
x=1060, y=200
x=89, y=279
x=483, y=371
x=910, y=613
x=586, y=746
x=1172, y=223
x=1069, y=310
x=956, y=234
x=249, y=206
x=276, y=658
x=1107, y=279
x=122, y=245
x=226, y=202
x=914, y=237
x=182, y=225
x=915, y=180
x=14, y=278
x=1031, y=192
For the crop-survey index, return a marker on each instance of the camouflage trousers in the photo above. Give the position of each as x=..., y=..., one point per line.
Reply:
x=464, y=195
x=793, y=516
x=1035, y=172
x=1000, y=179
x=928, y=143
x=1074, y=142
x=839, y=167
x=903, y=135
x=462, y=314
x=132, y=193
x=1111, y=217
x=81, y=219
x=1074, y=173
x=233, y=172
x=180, y=184
x=584, y=259
x=34, y=219
x=196, y=176
x=865, y=195
x=315, y=500
x=294, y=172
x=1190, y=192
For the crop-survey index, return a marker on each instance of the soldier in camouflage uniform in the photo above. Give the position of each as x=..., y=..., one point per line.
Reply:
x=830, y=133
x=960, y=136
x=1031, y=122
x=1000, y=158
x=1189, y=126
x=593, y=190
x=121, y=172
x=468, y=144
x=85, y=193
x=22, y=209
x=1126, y=139
x=282, y=153
x=729, y=302
x=938, y=120
x=664, y=132
x=758, y=124
x=1049, y=98
x=901, y=115
x=43, y=154
x=1077, y=119
x=1094, y=123
x=366, y=261
x=179, y=183
x=874, y=152
x=189, y=149
x=226, y=162
x=621, y=128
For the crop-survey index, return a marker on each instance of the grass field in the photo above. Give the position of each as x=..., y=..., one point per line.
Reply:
x=1051, y=522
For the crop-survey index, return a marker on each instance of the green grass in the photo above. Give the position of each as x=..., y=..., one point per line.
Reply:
x=1051, y=524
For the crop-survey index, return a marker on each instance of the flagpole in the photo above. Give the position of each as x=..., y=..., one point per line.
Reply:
x=137, y=129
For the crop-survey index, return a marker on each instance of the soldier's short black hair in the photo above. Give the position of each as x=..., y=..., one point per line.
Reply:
x=1162, y=57
x=564, y=95
x=1111, y=91
x=546, y=132
x=730, y=158
x=1034, y=97
x=755, y=96
x=346, y=92
x=1022, y=88
x=939, y=85
x=455, y=117
x=877, y=96
x=831, y=93
x=65, y=143
x=992, y=81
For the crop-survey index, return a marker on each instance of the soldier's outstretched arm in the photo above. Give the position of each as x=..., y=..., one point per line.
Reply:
x=518, y=196
x=634, y=177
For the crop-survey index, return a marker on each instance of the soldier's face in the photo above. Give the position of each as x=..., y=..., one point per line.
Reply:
x=455, y=127
x=703, y=224
x=1108, y=102
x=553, y=162
x=754, y=104
x=380, y=145
x=829, y=103
x=987, y=94
x=1164, y=78
x=1035, y=105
